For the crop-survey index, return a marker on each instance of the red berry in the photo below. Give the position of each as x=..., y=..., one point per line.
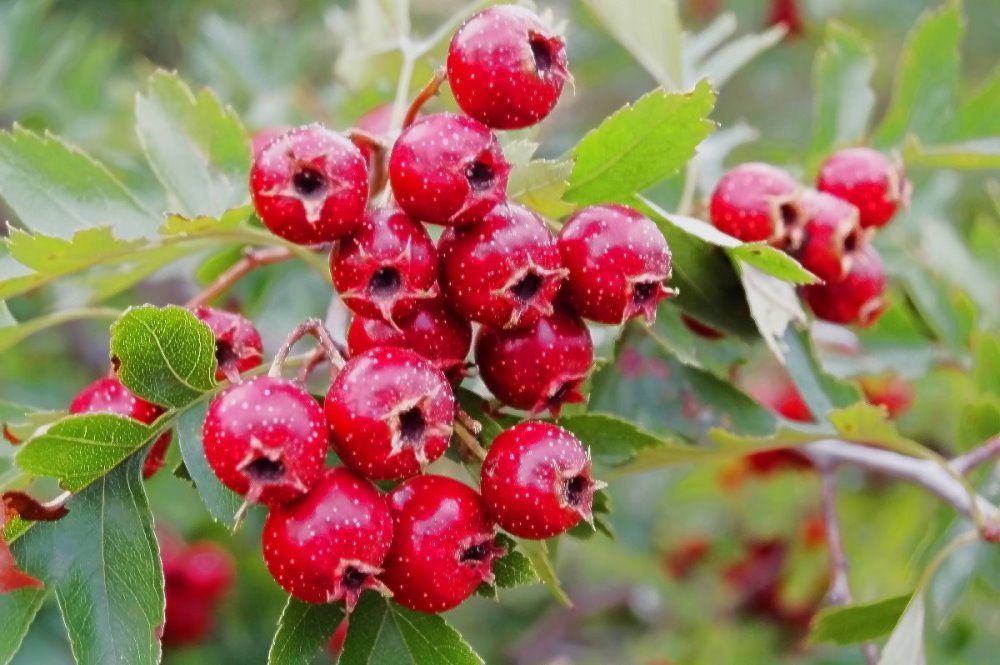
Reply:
x=330, y=544
x=435, y=332
x=536, y=368
x=700, y=328
x=447, y=169
x=830, y=236
x=108, y=395
x=238, y=346
x=858, y=299
x=681, y=561
x=768, y=462
x=265, y=438
x=889, y=391
x=188, y=619
x=869, y=180
x=617, y=261
x=536, y=480
x=310, y=185
x=506, y=68
x=390, y=413
x=788, y=14
x=756, y=202
x=208, y=570
x=503, y=271
x=442, y=546
x=385, y=268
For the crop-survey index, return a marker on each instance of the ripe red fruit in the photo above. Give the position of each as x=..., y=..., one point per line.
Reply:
x=830, y=236
x=858, y=299
x=195, y=579
x=435, y=332
x=700, y=328
x=108, y=395
x=683, y=558
x=390, y=413
x=238, y=346
x=536, y=480
x=756, y=202
x=207, y=570
x=868, y=179
x=442, y=545
x=889, y=391
x=788, y=14
x=330, y=544
x=617, y=261
x=263, y=137
x=310, y=185
x=539, y=367
x=503, y=271
x=447, y=169
x=385, y=268
x=265, y=438
x=506, y=68
x=187, y=618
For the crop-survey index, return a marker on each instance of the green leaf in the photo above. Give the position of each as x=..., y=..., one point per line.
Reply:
x=978, y=115
x=974, y=154
x=858, y=623
x=773, y=262
x=733, y=56
x=774, y=306
x=540, y=185
x=22, y=422
x=166, y=355
x=12, y=335
x=820, y=391
x=986, y=364
x=222, y=503
x=640, y=145
x=383, y=633
x=614, y=441
x=303, y=630
x=650, y=30
x=195, y=145
x=178, y=225
x=17, y=612
x=869, y=424
x=906, y=643
x=513, y=569
x=56, y=189
x=537, y=552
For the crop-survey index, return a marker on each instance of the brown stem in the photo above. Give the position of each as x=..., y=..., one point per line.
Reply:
x=315, y=328
x=977, y=456
x=470, y=444
x=425, y=95
x=252, y=259
x=467, y=421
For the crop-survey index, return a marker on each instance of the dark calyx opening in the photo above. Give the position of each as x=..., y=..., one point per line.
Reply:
x=789, y=214
x=225, y=355
x=853, y=240
x=642, y=292
x=576, y=490
x=480, y=175
x=384, y=282
x=308, y=181
x=476, y=552
x=541, y=50
x=264, y=469
x=560, y=394
x=412, y=425
x=527, y=287
x=353, y=579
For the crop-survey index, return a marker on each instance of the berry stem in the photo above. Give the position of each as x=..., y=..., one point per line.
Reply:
x=252, y=259
x=379, y=149
x=467, y=421
x=315, y=328
x=469, y=441
x=963, y=464
x=426, y=93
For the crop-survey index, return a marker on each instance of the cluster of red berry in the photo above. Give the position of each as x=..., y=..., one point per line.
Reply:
x=196, y=577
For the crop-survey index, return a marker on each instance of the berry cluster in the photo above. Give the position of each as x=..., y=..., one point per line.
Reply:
x=196, y=578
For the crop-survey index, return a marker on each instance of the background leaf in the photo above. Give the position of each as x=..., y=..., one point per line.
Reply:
x=650, y=30
x=303, y=630
x=858, y=623
x=221, y=502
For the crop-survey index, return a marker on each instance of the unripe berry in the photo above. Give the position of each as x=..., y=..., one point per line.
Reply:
x=238, y=346
x=756, y=202
x=876, y=185
x=858, y=299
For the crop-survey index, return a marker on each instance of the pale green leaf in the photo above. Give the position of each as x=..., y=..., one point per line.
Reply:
x=858, y=623
x=906, y=643
x=11, y=335
x=973, y=154
x=648, y=29
x=537, y=552
x=613, y=440
x=540, y=185
x=774, y=306
x=720, y=66
x=978, y=116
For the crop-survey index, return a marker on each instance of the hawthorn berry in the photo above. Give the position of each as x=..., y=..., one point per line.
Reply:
x=329, y=545
x=830, y=236
x=617, y=261
x=869, y=180
x=265, y=438
x=390, y=413
x=435, y=332
x=502, y=271
x=858, y=299
x=238, y=346
x=536, y=480
x=187, y=619
x=756, y=202
x=443, y=544
x=536, y=368
x=109, y=395
x=506, y=68
x=386, y=267
x=310, y=185
x=447, y=169
x=195, y=580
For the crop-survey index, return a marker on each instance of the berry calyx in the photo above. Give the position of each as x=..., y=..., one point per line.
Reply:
x=310, y=185
x=537, y=368
x=506, y=68
x=536, y=480
x=238, y=346
x=443, y=544
x=858, y=299
x=109, y=395
x=830, y=236
x=447, y=169
x=390, y=413
x=330, y=544
x=756, y=202
x=503, y=271
x=869, y=180
x=386, y=267
x=265, y=438
x=617, y=261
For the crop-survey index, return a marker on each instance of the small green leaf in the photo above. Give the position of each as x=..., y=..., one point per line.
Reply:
x=650, y=30
x=537, y=552
x=986, y=365
x=222, y=503
x=858, y=623
x=869, y=424
x=820, y=391
x=178, y=225
x=540, y=185
x=906, y=643
x=613, y=440
x=773, y=262
x=513, y=569
x=303, y=630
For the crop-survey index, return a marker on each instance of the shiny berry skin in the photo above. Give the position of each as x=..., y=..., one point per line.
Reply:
x=435, y=332
x=506, y=68
x=503, y=271
x=536, y=368
x=265, y=438
x=617, y=261
x=536, y=480
x=876, y=185
x=390, y=413
x=756, y=202
x=442, y=545
x=330, y=544
x=447, y=169
x=108, y=395
x=385, y=268
x=829, y=237
x=263, y=138
x=858, y=299
x=238, y=346
x=310, y=185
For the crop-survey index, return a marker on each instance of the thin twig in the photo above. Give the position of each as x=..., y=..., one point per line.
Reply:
x=425, y=95
x=468, y=422
x=977, y=456
x=252, y=259
x=316, y=358
x=315, y=328
x=469, y=441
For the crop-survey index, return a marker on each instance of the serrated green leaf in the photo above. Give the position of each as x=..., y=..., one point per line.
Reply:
x=166, y=355
x=650, y=30
x=858, y=623
x=513, y=569
x=906, y=643
x=221, y=502
x=537, y=552
x=869, y=424
x=773, y=262
x=303, y=630
x=640, y=145
x=12, y=335
x=540, y=185
x=612, y=440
